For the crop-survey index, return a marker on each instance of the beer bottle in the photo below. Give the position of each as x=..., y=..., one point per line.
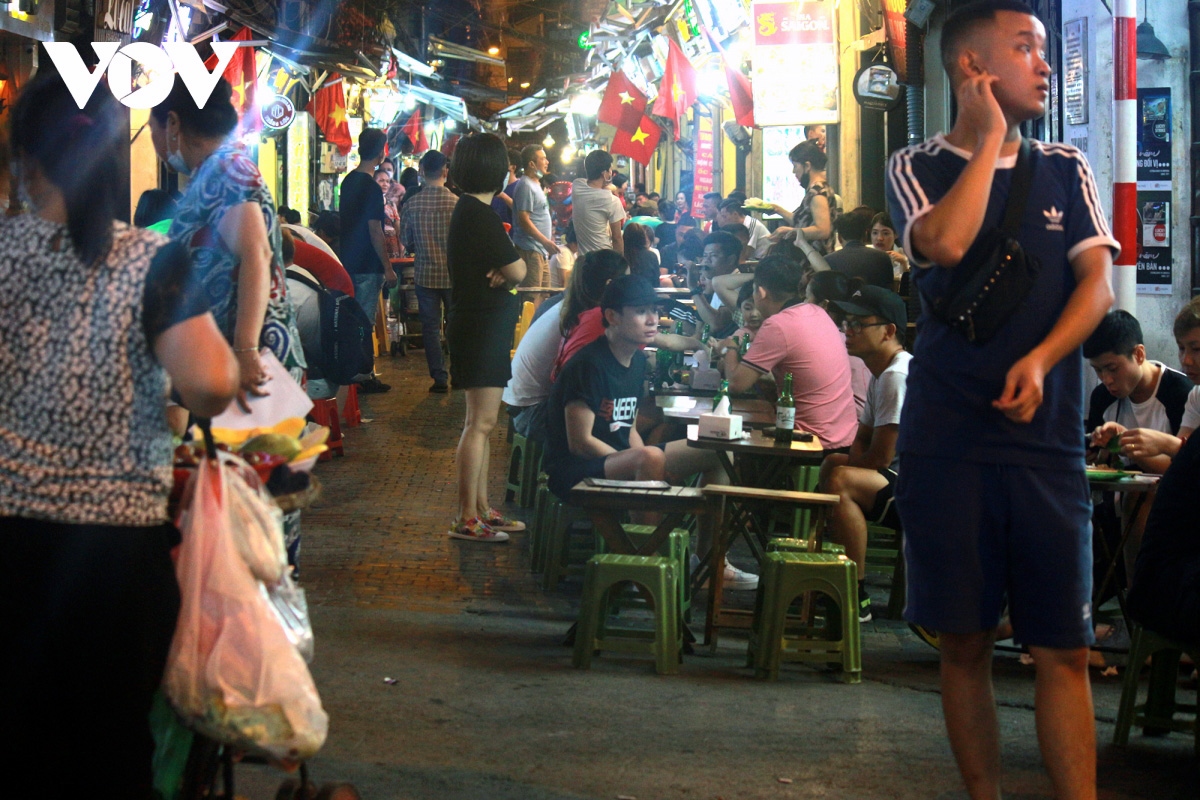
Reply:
x=785, y=412
x=721, y=394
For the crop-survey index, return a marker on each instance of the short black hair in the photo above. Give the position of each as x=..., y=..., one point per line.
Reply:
x=732, y=204
x=746, y=292
x=329, y=222
x=1188, y=319
x=514, y=159
x=370, y=143
x=808, y=152
x=432, y=163
x=479, y=163
x=692, y=246
x=214, y=120
x=1118, y=333
x=667, y=211
x=737, y=194
x=713, y=196
x=965, y=20
x=529, y=153
x=883, y=219
x=596, y=163
x=725, y=242
x=808, y=128
x=779, y=277
x=854, y=225
x=155, y=205
x=619, y=179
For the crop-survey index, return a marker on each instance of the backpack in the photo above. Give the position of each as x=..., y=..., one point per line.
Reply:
x=347, y=349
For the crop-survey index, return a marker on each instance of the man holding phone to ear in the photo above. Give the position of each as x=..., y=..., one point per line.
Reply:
x=992, y=492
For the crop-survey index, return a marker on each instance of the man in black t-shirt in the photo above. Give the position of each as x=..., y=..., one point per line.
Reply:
x=360, y=204
x=855, y=259
x=591, y=416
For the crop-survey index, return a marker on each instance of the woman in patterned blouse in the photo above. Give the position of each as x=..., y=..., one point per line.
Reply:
x=227, y=220
x=97, y=320
x=813, y=220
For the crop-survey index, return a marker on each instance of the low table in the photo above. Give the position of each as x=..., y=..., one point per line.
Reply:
x=754, y=413
x=1140, y=487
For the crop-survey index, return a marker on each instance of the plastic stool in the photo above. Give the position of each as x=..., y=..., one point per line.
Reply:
x=659, y=576
x=352, y=413
x=787, y=575
x=556, y=546
x=786, y=545
x=676, y=548
x=325, y=412
x=1158, y=712
x=538, y=533
x=523, y=466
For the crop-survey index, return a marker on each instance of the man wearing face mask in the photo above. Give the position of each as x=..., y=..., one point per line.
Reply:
x=533, y=233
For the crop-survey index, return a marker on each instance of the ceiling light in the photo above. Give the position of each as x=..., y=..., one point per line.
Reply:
x=524, y=84
x=585, y=104
x=567, y=154
x=1150, y=46
x=548, y=141
x=493, y=51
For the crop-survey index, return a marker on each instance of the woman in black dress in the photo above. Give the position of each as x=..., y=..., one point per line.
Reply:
x=484, y=271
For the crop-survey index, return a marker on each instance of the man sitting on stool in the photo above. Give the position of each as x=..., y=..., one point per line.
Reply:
x=875, y=325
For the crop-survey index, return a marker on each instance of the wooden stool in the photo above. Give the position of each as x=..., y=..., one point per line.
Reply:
x=659, y=577
x=787, y=576
x=1158, y=712
x=325, y=412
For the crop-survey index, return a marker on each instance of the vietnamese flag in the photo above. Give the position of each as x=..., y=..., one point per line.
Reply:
x=677, y=92
x=623, y=105
x=640, y=143
x=416, y=132
x=328, y=107
x=242, y=74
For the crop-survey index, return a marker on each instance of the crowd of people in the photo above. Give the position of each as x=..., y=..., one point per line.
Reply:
x=974, y=449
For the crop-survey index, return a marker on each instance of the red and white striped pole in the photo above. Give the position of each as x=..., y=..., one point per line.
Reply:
x=1125, y=152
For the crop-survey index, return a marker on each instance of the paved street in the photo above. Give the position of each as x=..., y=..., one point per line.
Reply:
x=486, y=704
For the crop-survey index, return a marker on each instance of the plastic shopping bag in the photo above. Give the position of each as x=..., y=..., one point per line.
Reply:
x=257, y=521
x=232, y=673
x=291, y=608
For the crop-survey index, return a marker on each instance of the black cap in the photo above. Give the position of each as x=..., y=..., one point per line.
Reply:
x=875, y=301
x=628, y=290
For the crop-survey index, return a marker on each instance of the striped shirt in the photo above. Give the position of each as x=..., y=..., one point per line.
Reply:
x=952, y=382
x=426, y=226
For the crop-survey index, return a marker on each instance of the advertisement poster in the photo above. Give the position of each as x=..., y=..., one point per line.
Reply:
x=779, y=184
x=795, y=64
x=702, y=158
x=1154, y=140
x=1154, y=260
x=1075, y=77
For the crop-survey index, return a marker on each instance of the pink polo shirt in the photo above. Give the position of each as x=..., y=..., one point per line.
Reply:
x=803, y=340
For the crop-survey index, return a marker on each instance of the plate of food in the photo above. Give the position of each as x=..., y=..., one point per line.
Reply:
x=757, y=204
x=1103, y=473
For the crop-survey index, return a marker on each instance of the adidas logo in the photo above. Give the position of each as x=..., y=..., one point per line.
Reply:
x=1054, y=219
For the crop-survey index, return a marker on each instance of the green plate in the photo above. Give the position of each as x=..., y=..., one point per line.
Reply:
x=1106, y=475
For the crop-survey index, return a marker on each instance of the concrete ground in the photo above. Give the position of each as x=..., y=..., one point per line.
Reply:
x=486, y=705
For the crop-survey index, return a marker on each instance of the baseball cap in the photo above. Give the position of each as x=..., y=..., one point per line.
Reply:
x=628, y=290
x=875, y=301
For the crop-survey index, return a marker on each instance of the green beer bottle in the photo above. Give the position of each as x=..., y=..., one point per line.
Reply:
x=785, y=412
x=723, y=392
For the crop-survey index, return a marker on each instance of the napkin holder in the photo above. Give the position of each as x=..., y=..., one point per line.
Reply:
x=717, y=426
x=707, y=378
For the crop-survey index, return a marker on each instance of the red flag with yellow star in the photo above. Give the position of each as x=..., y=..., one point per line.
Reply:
x=242, y=74
x=328, y=107
x=640, y=143
x=415, y=132
x=677, y=92
x=623, y=105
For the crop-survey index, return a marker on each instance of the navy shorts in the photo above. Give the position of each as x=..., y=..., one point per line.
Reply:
x=980, y=536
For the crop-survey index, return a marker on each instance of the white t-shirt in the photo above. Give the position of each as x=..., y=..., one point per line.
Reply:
x=1150, y=414
x=530, y=382
x=1191, y=410
x=885, y=396
x=759, y=236
x=593, y=211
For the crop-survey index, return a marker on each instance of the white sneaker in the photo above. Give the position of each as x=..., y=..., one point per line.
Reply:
x=737, y=580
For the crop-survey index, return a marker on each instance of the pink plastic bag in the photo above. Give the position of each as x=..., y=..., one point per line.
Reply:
x=232, y=674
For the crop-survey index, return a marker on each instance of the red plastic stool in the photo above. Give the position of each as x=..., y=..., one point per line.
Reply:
x=351, y=413
x=325, y=412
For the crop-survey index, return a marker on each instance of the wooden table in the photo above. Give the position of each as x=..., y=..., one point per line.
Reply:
x=666, y=291
x=1141, y=488
x=755, y=413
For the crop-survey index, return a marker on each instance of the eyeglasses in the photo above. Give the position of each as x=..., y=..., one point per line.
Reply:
x=855, y=326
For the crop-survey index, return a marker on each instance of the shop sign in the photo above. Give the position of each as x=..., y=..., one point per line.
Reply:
x=795, y=64
x=1154, y=139
x=1075, y=83
x=279, y=113
x=1154, y=257
x=877, y=87
x=702, y=162
x=162, y=63
x=115, y=15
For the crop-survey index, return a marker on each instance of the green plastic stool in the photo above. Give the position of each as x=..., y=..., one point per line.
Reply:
x=539, y=531
x=885, y=556
x=1158, y=712
x=523, y=465
x=786, y=576
x=676, y=548
x=659, y=576
x=787, y=545
x=556, y=547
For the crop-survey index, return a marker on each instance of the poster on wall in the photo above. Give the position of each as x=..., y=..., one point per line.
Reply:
x=1154, y=139
x=702, y=159
x=1075, y=83
x=1154, y=258
x=779, y=184
x=795, y=63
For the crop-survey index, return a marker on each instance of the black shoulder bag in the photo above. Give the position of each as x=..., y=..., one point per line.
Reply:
x=984, y=294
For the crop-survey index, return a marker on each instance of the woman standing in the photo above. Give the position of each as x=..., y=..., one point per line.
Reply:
x=227, y=221
x=484, y=269
x=95, y=317
x=391, y=222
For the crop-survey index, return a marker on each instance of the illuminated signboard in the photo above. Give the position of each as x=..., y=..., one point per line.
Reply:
x=795, y=64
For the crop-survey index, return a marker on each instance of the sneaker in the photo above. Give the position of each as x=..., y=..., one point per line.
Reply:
x=374, y=386
x=475, y=529
x=925, y=635
x=864, y=605
x=736, y=580
x=439, y=388
x=498, y=522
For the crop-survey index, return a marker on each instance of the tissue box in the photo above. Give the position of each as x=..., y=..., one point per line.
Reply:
x=715, y=427
x=706, y=379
